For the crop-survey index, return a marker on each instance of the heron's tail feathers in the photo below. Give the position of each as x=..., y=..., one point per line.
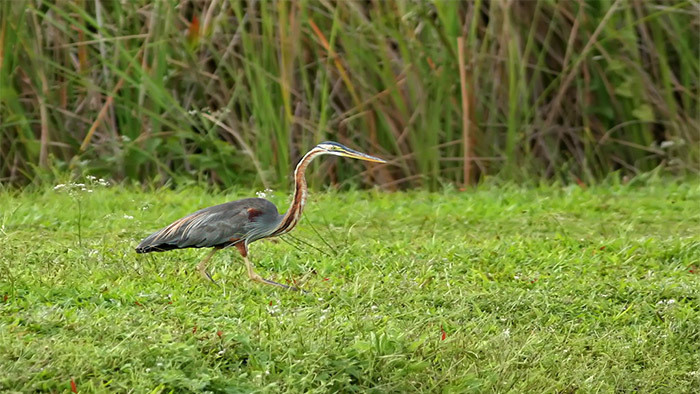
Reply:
x=155, y=248
x=157, y=243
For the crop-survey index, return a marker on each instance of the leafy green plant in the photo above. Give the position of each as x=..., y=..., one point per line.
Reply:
x=230, y=92
x=77, y=192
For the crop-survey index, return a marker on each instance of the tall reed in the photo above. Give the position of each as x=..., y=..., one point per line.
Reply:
x=227, y=92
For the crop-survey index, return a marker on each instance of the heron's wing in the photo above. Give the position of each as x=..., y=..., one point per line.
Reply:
x=219, y=225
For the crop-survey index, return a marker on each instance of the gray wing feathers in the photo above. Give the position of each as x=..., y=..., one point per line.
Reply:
x=213, y=226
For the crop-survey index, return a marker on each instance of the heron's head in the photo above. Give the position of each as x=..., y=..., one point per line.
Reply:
x=334, y=148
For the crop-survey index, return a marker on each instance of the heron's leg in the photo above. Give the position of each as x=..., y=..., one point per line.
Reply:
x=202, y=266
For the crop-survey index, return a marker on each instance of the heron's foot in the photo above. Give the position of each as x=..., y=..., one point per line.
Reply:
x=202, y=267
x=206, y=275
x=257, y=278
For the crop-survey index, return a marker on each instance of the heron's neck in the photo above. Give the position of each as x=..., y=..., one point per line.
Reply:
x=291, y=218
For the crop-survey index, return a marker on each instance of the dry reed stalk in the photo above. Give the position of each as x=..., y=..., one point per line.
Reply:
x=465, y=113
x=101, y=114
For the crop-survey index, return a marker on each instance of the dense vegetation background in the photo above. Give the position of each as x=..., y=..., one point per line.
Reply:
x=226, y=91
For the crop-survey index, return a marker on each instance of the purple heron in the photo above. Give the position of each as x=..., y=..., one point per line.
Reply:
x=239, y=223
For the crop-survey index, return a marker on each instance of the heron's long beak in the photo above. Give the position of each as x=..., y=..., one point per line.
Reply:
x=347, y=152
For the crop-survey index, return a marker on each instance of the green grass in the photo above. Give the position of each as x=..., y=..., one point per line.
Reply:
x=536, y=290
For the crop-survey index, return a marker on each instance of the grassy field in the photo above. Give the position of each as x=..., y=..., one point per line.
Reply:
x=496, y=289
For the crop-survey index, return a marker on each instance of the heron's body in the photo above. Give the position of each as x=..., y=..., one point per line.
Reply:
x=219, y=226
x=239, y=223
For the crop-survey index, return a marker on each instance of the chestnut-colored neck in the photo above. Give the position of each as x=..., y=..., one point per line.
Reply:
x=293, y=215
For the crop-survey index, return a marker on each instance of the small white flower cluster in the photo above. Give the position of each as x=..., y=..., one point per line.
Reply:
x=666, y=144
x=100, y=181
x=273, y=309
x=264, y=193
x=324, y=314
x=73, y=188
x=208, y=110
x=666, y=302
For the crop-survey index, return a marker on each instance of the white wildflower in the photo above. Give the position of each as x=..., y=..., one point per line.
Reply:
x=666, y=302
x=273, y=309
x=264, y=193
